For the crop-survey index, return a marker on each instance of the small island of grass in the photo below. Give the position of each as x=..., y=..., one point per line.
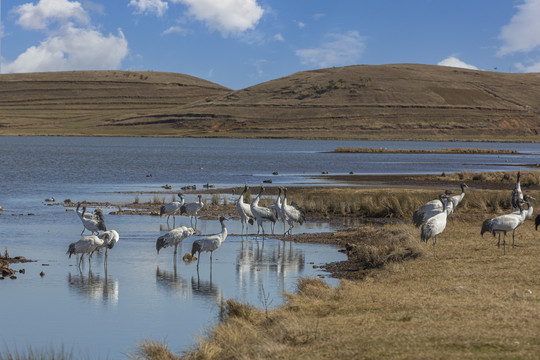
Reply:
x=428, y=151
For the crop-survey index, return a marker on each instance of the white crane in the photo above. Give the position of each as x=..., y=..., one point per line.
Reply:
x=172, y=208
x=191, y=209
x=209, y=243
x=418, y=216
x=86, y=245
x=435, y=225
x=262, y=213
x=292, y=213
x=110, y=238
x=504, y=223
x=517, y=195
x=244, y=210
x=174, y=238
x=92, y=222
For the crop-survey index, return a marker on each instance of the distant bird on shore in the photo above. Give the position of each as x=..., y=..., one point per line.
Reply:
x=517, y=194
x=504, y=223
x=261, y=213
x=174, y=238
x=292, y=213
x=86, y=245
x=171, y=209
x=244, y=210
x=110, y=238
x=436, y=224
x=209, y=243
x=191, y=209
x=93, y=222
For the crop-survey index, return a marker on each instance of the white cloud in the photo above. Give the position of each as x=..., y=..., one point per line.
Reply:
x=70, y=42
x=337, y=50
x=279, y=37
x=176, y=30
x=40, y=16
x=73, y=49
x=455, y=62
x=150, y=6
x=300, y=24
x=226, y=16
x=522, y=34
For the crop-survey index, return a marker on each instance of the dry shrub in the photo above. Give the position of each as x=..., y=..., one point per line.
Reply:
x=232, y=308
x=391, y=243
x=152, y=350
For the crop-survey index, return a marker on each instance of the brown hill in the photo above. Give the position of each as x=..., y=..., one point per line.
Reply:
x=401, y=101
x=93, y=102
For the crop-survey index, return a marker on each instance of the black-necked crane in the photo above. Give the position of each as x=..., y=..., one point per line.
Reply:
x=279, y=209
x=110, y=238
x=171, y=209
x=292, y=213
x=517, y=195
x=174, y=238
x=456, y=199
x=244, y=210
x=209, y=243
x=86, y=245
x=262, y=214
x=448, y=208
x=92, y=222
x=503, y=224
x=191, y=209
x=418, y=216
x=529, y=212
x=435, y=225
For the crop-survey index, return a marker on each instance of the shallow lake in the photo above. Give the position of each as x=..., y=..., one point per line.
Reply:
x=102, y=312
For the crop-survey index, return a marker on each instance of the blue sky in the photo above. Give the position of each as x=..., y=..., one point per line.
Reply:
x=239, y=43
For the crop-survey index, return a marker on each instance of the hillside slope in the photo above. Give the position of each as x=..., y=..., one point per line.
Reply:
x=399, y=101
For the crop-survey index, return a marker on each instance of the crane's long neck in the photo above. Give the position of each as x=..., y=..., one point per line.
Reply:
x=443, y=203
x=223, y=233
x=284, y=198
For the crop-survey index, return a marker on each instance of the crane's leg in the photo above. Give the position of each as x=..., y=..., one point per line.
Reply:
x=198, y=258
x=83, y=230
x=513, y=233
x=434, y=243
x=174, y=221
x=504, y=243
x=175, y=249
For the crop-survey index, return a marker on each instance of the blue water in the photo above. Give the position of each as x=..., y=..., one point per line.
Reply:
x=103, y=312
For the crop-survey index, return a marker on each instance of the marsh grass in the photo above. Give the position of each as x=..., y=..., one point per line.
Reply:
x=41, y=354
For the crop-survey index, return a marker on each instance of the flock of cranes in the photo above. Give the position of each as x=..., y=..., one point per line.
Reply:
x=249, y=214
x=433, y=215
